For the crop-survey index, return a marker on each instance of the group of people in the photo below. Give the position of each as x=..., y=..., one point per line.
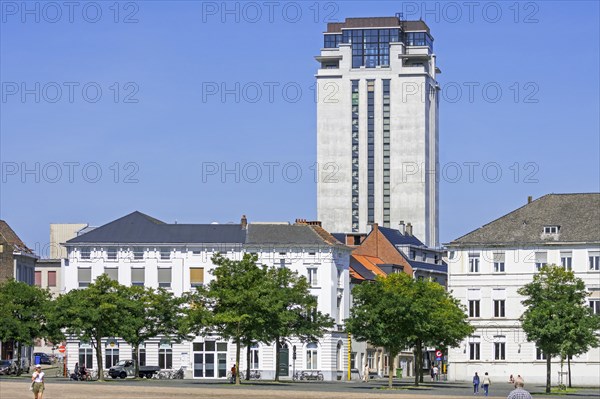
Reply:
x=80, y=373
x=435, y=373
x=518, y=393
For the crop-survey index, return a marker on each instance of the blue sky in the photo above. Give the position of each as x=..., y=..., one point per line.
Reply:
x=156, y=130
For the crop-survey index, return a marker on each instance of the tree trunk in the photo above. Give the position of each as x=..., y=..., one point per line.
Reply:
x=277, y=359
x=136, y=359
x=98, y=346
x=248, y=362
x=569, y=369
x=420, y=360
x=417, y=351
x=391, y=369
x=237, y=360
x=17, y=346
x=548, y=371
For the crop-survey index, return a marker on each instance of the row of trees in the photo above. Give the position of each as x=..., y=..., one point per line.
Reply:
x=248, y=303
x=245, y=302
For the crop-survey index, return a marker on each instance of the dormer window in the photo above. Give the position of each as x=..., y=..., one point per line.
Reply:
x=551, y=229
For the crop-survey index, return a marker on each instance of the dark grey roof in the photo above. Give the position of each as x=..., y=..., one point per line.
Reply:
x=377, y=22
x=441, y=268
x=283, y=234
x=397, y=238
x=341, y=237
x=360, y=269
x=577, y=215
x=140, y=228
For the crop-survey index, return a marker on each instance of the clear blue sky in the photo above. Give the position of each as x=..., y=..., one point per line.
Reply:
x=177, y=50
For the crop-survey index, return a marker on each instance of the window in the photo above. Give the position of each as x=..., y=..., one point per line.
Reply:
x=353, y=360
x=165, y=253
x=424, y=256
x=499, y=350
x=474, y=263
x=111, y=253
x=85, y=253
x=566, y=260
x=339, y=361
x=311, y=356
x=413, y=254
x=51, y=278
x=141, y=354
x=138, y=276
x=112, y=273
x=371, y=359
x=541, y=259
x=164, y=277
x=85, y=355
x=474, y=350
x=112, y=353
x=165, y=355
x=84, y=276
x=38, y=278
x=551, y=229
x=312, y=277
x=138, y=253
x=196, y=276
x=499, y=305
x=499, y=262
x=595, y=305
x=474, y=308
x=254, y=357
x=594, y=261
x=539, y=355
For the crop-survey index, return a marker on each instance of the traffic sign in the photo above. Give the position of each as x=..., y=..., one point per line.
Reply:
x=62, y=349
x=438, y=353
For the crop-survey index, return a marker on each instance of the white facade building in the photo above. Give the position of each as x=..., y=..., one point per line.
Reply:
x=486, y=268
x=377, y=126
x=140, y=250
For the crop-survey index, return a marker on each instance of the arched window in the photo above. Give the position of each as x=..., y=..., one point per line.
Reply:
x=111, y=352
x=165, y=355
x=339, y=360
x=311, y=356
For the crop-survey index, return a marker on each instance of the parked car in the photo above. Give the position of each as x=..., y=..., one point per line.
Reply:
x=8, y=367
x=44, y=358
x=126, y=368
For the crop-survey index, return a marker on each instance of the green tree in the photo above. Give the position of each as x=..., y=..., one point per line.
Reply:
x=229, y=305
x=581, y=335
x=151, y=313
x=290, y=310
x=397, y=312
x=23, y=314
x=378, y=314
x=92, y=313
x=555, y=304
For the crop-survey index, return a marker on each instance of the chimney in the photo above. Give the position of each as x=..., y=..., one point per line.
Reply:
x=244, y=222
x=313, y=223
x=529, y=199
x=402, y=227
x=409, y=229
x=374, y=226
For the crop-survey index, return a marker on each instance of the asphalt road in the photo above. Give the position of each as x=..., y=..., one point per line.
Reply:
x=59, y=388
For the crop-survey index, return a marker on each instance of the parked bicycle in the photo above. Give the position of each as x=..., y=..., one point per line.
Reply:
x=241, y=373
x=254, y=375
x=311, y=375
x=178, y=375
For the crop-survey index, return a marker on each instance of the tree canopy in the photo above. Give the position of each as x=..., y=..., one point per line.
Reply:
x=556, y=316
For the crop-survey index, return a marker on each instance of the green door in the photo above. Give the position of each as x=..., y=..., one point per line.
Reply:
x=284, y=361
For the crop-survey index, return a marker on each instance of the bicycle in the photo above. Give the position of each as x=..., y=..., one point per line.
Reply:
x=60, y=372
x=165, y=374
x=254, y=375
x=177, y=375
x=230, y=378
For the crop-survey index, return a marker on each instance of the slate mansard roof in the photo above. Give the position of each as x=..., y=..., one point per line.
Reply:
x=139, y=228
x=576, y=215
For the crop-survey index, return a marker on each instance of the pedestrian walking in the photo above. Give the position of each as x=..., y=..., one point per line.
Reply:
x=476, y=383
x=366, y=372
x=431, y=372
x=436, y=373
x=37, y=380
x=486, y=384
x=233, y=373
x=519, y=392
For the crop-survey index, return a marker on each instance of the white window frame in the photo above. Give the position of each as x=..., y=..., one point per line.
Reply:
x=474, y=263
x=594, y=261
x=312, y=356
x=312, y=276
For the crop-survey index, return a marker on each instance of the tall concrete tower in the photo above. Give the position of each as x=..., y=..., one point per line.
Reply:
x=377, y=127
